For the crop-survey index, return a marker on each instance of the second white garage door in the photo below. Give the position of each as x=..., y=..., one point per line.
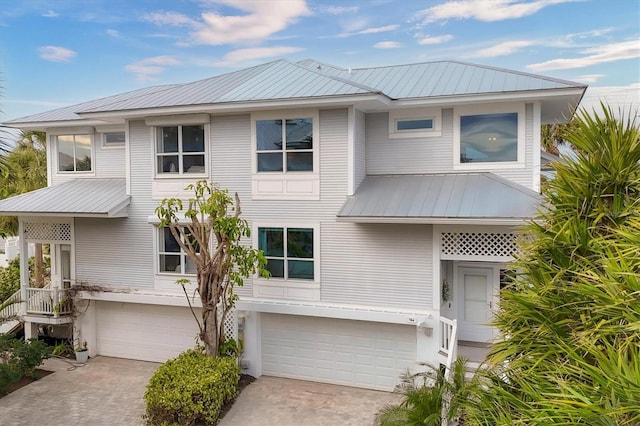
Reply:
x=352, y=353
x=144, y=332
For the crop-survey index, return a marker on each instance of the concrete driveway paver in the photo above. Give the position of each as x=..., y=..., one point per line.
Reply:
x=106, y=391
x=272, y=401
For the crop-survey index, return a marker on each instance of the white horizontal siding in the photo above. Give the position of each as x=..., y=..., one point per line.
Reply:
x=106, y=163
x=524, y=176
x=377, y=264
x=432, y=154
x=408, y=155
x=359, y=149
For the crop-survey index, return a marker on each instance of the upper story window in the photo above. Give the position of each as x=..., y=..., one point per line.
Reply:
x=285, y=145
x=113, y=139
x=180, y=150
x=74, y=153
x=489, y=138
x=415, y=123
x=289, y=252
x=171, y=257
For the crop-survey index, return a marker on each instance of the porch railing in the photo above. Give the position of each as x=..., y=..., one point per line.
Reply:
x=448, y=340
x=10, y=308
x=48, y=301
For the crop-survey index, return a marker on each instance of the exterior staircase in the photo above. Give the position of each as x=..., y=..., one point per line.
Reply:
x=10, y=314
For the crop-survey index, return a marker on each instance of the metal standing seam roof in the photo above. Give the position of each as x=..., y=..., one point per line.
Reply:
x=282, y=79
x=75, y=198
x=443, y=196
x=443, y=78
x=275, y=80
x=69, y=113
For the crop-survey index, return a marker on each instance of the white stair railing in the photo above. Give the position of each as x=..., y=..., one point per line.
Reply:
x=48, y=301
x=448, y=330
x=10, y=308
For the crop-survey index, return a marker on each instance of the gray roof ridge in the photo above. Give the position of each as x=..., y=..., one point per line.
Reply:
x=341, y=80
x=526, y=74
x=322, y=63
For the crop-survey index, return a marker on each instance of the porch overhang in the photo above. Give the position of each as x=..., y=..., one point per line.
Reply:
x=444, y=199
x=104, y=198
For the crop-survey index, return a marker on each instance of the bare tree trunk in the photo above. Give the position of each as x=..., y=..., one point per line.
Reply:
x=210, y=336
x=38, y=266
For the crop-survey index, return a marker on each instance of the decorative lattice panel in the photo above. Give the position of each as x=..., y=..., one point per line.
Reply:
x=47, y=231
x=231, y=325
x=478, y=244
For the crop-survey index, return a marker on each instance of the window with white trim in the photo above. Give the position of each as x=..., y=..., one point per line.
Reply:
x=171, y=257
x=75, y=153
x=289, y=252
x=284, y=145
x=113, y=139
x=180, y=150
x=489, y=138
x=414, y=123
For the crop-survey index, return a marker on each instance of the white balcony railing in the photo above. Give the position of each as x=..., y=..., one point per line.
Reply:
x=48, y=301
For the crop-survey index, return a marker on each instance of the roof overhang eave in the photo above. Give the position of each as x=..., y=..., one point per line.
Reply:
x=44, y=125
x=231, y=107
x=528, y=95
x=104, y=215
x=435, y=220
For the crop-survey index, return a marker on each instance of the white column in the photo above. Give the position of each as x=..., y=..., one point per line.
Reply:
x=24, y=267
x=30, y=330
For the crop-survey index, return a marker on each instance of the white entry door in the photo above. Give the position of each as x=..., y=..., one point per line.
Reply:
x=476, y=289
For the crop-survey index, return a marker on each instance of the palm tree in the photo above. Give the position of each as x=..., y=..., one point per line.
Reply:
x=553, y=136
x=25, y=170
x=571, y=352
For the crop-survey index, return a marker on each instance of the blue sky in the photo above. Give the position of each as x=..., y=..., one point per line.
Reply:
x=56, y=53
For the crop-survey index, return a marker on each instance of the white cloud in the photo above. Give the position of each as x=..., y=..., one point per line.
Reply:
x=387, y=45
x=435, y=40
x=484, y=10
x=173, y=19
x=588, y=78
x=374, y=30
x=113, y=33
x=146, y=68
x=501, y=49
x=595, y=55
x=338, y=10
x=239, y=56
x=617, y=97
x=56, y=53
x=50, y=14
x=263, y=18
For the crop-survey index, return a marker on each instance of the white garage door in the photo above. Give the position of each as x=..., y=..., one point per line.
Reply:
x=353, y=353
x=144, y=332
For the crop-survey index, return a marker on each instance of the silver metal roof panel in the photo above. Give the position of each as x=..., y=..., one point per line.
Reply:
x=75, y=198
x=443, y=196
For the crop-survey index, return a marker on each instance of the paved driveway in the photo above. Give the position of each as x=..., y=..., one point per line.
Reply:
x=108, y=391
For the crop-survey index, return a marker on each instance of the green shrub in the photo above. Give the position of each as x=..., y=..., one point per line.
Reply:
x=191, y=389
x=19, y=358
x=9, y=279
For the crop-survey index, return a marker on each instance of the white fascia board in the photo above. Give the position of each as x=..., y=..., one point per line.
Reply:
x=60, y=214
x=433, y=220
x=326, y=310
x=145, y=298
x=235, y=107
x=44, y=125
x=451, y=100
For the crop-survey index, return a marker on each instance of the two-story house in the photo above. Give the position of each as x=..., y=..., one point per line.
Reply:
x=386, y=200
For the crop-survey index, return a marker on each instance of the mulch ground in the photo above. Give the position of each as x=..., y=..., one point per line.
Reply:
x=25, y=380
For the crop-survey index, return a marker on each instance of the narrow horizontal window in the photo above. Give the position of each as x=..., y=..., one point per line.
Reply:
x=113, y=139
x=412, y=125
